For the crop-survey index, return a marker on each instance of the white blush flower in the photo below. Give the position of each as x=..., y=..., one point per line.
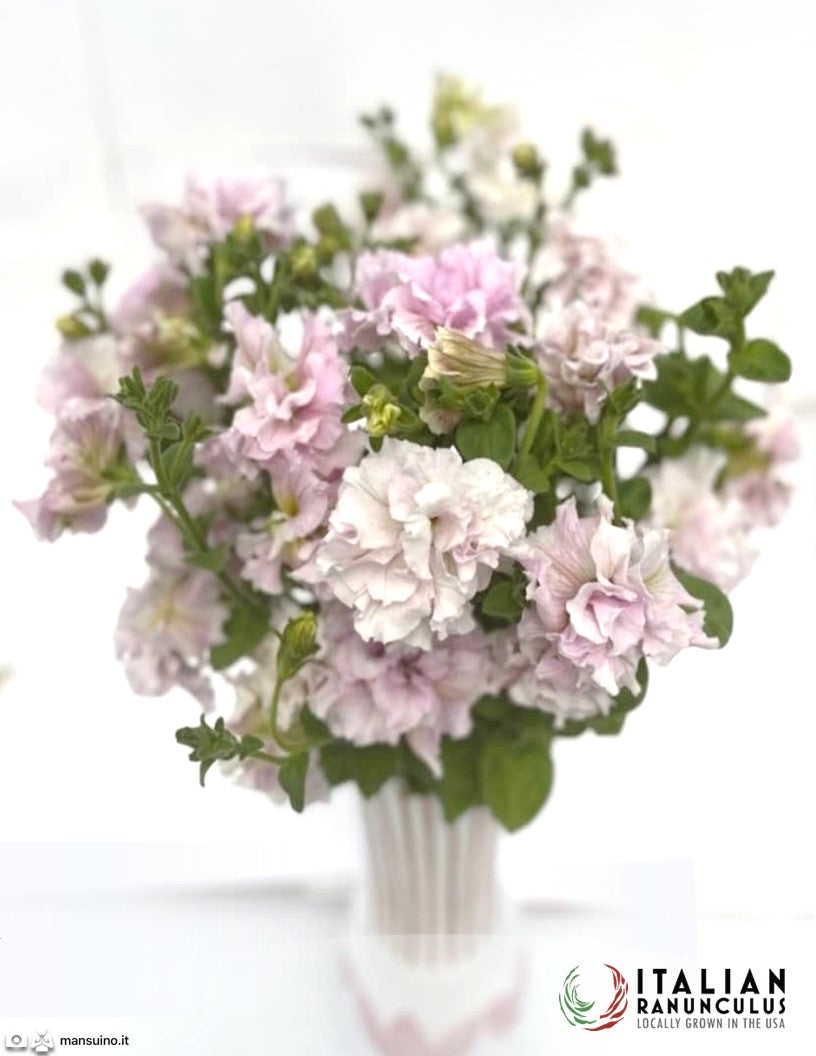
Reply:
x=415, y=534
x=709, y=534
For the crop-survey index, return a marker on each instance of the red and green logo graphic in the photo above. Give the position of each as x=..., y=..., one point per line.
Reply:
x=580, y=1012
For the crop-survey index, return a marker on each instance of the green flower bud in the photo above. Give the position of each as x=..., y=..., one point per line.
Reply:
x=304, y=262
x=297, y=645
x=244, y=229
x=527, y=161
x=370, y=203
x=382, y=413
x=72, y=328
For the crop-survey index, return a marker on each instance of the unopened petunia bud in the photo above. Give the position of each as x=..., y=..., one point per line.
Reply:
x=464, y=362
x=72, y=328
x=298, y=644
x=244, y=228
x=382, y=412
x=527, y=161
x=304, y=262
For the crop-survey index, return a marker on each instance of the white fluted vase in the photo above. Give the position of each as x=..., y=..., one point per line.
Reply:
x=434, y=962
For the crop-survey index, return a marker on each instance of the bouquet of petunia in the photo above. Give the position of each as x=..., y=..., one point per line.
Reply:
x=430, y=491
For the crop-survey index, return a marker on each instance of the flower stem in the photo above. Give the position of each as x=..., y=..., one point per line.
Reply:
x=534, y=421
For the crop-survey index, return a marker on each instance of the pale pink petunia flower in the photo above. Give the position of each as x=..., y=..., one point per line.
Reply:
x=286, y=537
x=583, y=268
x=371, y=693
x=209, y=211
x=709, y=532
x=605, y=595
x=295, y=404
x=467, y=287
x=764, y=491
x=86, y=445
x=541, y=678
x=82, y=375
x=166, y=629
x=583, y=358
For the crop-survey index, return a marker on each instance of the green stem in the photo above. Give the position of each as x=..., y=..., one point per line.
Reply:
x=265, y=757
x=534, y=421
x=173, y=507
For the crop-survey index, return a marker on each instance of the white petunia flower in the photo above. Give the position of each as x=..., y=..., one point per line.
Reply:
x=415, y=534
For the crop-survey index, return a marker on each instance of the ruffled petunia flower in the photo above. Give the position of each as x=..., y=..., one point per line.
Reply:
x=86, y=454
x=709, y=532
x=583, y=268
x=210, y=210
x=286, y=537
x=294, y=403
x=416, y=532
x=763, y=488
x=583, y=358
x=605, y=595
x=371, y=693
x=467, y=287
x=166, y=629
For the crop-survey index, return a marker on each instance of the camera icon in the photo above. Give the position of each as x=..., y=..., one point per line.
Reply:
x=16, y=1041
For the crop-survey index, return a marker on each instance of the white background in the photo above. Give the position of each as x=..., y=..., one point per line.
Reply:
x=104, y=104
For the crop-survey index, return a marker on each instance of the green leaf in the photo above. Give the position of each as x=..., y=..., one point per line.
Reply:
x=495, y=439
x=528, y=472
x=636, y=438
x=244, y=629
x=733, y=408
x=719, y=617
x=361, y=379
x=516, y=777
x=760, y=360
x=743, y=290
x=99, y=271
x=491, y=708
x=711, y=315
x=634, y=497
x=314, y=728
x=579, y=469
x=292, y=778
x=504, y=598
x=654, y=319
x=212, y=560
x=373, y=765
x=208, y=744
x=72, y=280
x=459, y=787
x=337, y=762
x=414, y=771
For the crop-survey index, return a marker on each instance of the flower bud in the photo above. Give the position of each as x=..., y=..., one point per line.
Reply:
x=72, y=328
x=244, y=228
x=304, y=262
x=298, y=643
x=526, y=161
x=382, y=413
x=463, y=362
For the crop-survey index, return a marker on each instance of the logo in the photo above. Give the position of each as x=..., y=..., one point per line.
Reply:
x=42, y=1042
x=580, y=1012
